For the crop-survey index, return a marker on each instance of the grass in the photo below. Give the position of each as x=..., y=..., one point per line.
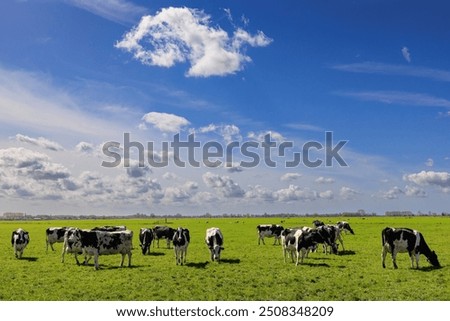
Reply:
x=247, y=271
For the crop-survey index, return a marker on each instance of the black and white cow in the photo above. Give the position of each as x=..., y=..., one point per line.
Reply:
x=269, y=230
x=19, y=240
x=181, y=239
x=96, y=243
x=214, y=241
x=145, y=239
x=163, y=232
x=329, y=234
x=401, y=240
x=343, y=226
x=288, y=244
x=54, y=235
x=71, y=244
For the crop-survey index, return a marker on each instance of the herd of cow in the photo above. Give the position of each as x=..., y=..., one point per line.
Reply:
x=295, y=242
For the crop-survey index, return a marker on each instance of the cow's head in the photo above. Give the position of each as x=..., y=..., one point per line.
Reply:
x=73, y=237
x=215, y=252
x=433, y=259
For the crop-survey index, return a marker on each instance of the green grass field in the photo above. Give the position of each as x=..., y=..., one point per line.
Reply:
x=247, y=271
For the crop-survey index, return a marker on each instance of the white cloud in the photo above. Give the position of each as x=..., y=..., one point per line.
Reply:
x=40, y=141
x=400, y=70
x=176, y=35
x=290, y=176
x=260, y=136
x=324, y=180
x=166, y=122
x=414, y=191
x=84, y=147
x=295, y=193
x=115, y=10
x=406, y=54
x=429, y=162
x=399, y=97
x=229, y=133
x=393, y=193
x=348, y=193
x=224, y=184
x=441, y=179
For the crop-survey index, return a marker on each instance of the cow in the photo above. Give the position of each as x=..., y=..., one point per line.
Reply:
x=288, y=242
x=214, y=241
x=180, y=240
x=96, y=243
x=269, y=230
x=71, y=244
x=328, y=234
x=344, y=226
x=54, y=235
x=401, y=240
x=145, y=239
x=19, y=240
x=163, y=232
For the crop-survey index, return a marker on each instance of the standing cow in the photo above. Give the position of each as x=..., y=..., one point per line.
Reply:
x=71, y=244
x=145, y=239
x=54, y=235
x=163, y=232
x=96, y=243
x=269, y=230
x=181, y=239
x=214, y=241
x=19, y=240
x=401, y=240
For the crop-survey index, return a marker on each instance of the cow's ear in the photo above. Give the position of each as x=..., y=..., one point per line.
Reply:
x=222, y=248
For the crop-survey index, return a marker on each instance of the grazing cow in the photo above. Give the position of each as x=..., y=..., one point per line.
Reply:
x=163, y=232
x=19, y=240
x=145, y=239
x=401, y=240
x=328, y=233
x=54, y=235
x=214, y=241
x=96, y=243
x=269, y=230
x=345, y=226
x=181, y=239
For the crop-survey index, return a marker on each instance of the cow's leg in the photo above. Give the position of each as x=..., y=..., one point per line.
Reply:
x=46, y=246
x=185, y=254
x=341, y=241
x=416, y=256
x=51, y=246
x=122, y=259
x=168, y=243
x=298, y=255
x=96, y=267
x=383, y=256
x=62, y=254
x=394, y=258
x=129, y=258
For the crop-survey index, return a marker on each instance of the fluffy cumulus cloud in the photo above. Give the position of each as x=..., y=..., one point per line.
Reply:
x=295, y=193
x=25, y=173
x=290, y=176
x=229, y=133
x=84, y=147
x=40, y=141
x=169, y=123
x=324, y=180
x=223, y=184
x=348, y=193
x=175, y=35
x=441, y=179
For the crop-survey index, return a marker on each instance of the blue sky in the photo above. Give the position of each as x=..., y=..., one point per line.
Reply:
x=75, y=74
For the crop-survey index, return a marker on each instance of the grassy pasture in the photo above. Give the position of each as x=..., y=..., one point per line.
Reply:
x=248, y=271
